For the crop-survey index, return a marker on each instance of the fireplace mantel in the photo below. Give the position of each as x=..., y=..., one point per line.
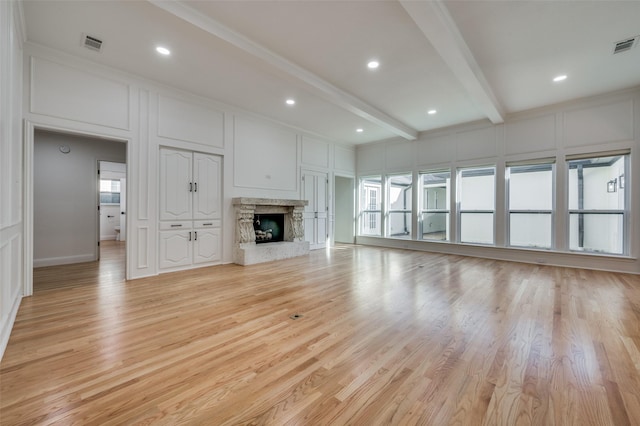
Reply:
x=269, y=202
x=247, y=252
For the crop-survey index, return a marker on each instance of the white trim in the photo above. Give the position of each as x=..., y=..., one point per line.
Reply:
x=5, y=332
x=28, y=191
x=63, y=260
x=20, y=23
x=610, y=153
x=27, y=201
x=533, y=162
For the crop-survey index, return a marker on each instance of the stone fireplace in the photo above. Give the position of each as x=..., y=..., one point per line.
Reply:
x=268, y=229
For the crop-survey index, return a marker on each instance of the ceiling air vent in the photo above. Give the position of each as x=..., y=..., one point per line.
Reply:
x=624, y=45
x=92, y=43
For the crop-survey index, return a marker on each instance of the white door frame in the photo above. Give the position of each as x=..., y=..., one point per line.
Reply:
x=28, y=190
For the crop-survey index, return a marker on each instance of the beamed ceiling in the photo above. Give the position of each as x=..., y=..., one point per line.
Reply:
x=467, y=60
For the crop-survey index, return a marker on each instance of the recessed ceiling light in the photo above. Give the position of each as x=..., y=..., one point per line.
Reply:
x=431, y=111
x=290, y=102
x=373, y=64
x=359, y=130
x=560, y=78
x=163, y=50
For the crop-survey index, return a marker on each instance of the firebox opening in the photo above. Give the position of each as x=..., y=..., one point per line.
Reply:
x=269, y=228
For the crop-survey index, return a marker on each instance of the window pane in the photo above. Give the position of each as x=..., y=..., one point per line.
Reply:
x=109, y=185
x=601, y=233
x=400, y=192
x=370, y=207
x=594, y=183
x=477, y=189
x=476, y=228
x=370, y=190
x=370, y=223
x=531, y=187
x=435, y=226
x=436, y=192
x=109, y=198
x=400, y=224
x=530, y=230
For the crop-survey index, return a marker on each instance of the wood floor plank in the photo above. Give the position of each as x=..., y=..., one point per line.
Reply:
x=386, y=337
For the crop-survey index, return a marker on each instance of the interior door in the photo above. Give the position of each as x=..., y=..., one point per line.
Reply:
x=207, y=179
x=315, y=191
x=176, y=186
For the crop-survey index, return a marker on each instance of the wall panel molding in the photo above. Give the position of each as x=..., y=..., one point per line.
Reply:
x=61, y=91
x=187, y=121
x=609, y=122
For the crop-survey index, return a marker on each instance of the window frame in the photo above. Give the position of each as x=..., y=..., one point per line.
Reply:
x=552, y=213
x=460, y=211
x=102, y=194
x=626, y=154
x=422, y=210
x=388, y=210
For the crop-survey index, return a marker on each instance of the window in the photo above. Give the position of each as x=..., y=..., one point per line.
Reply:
x=435, y=193
x=476, y=200
x=597, y=203
x=530, y=194
x=370, y=208
x=109, y=191
x=399, y=206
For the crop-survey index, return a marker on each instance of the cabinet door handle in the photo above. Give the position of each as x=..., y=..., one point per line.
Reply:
x=189, y=235
x=196, y=235
x=190, y=186
x=195, y=186
x=207, y=224
x=176, y=226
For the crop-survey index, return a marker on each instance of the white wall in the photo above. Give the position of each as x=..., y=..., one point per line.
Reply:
x=599, y=124
x=11, y=172
x=261, y=158
x=65, y=216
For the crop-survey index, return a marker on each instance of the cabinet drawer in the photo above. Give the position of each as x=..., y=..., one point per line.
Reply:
x=167, y=226
x=212, y=223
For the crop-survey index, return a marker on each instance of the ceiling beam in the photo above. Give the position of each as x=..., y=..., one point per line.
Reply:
x=435, y=22
x=320, y=86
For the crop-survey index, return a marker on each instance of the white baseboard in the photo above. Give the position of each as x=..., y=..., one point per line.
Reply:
x=64, y=260
x=107, y=237
x=5, y=329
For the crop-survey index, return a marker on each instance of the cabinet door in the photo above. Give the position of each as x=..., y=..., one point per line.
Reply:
x=207, y=245
x=207, y=178
x=175, y=248
x=315, y=191
x=175, y=184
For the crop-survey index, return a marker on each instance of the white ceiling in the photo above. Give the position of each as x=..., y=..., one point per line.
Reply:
x=469, y=60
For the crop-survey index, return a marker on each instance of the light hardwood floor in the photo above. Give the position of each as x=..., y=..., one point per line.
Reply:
x=386, y=337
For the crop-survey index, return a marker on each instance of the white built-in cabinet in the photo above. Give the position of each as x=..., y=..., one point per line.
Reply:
x=315, y=190
x=190, y=209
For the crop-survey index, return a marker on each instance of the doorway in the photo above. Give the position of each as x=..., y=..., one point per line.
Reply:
x=66, y=197
x=113, y=201
x=344, y=190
